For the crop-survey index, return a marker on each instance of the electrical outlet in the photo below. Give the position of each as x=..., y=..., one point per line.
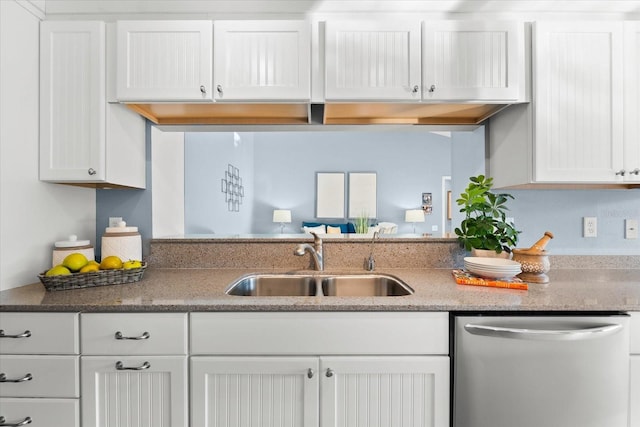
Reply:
x=590, y=226
x=434, y=228
x=630, y=228
x=114, y=220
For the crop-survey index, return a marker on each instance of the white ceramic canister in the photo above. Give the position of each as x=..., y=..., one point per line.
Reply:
x=66, y=247
x=123, y=242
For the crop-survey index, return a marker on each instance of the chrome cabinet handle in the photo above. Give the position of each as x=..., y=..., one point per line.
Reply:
x=219, y=89
x=144, y=336
x=543, y=334
x=415, y=89
x=329, y=373
x=310, y=373
x=120, y=367
x=636, y=171
x=91, y=171
x=432, y=88
x=4, y=379
x=621, y=172
x=24, y=422
x=25, y=334
x=203, y=89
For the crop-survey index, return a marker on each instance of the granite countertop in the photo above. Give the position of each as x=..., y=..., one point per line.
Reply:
x=166, y=290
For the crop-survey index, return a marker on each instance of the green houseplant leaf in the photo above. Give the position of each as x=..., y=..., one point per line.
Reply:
x=485, y=225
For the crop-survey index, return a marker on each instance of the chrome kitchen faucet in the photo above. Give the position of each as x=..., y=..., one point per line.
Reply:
x=315, y=251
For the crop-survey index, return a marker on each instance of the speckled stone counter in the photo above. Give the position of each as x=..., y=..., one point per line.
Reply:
x=202, y=289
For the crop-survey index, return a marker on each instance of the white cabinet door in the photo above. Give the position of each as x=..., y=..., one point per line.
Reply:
x=401, y=391
x=134, y=391
x=634, y=394
x=632, y=102
x=464, y=60
x=254, y=391
x=372, y=60
x=578, y=72
x=72, y=101
x=262, y=60
x=39, y=412
x=164, y=60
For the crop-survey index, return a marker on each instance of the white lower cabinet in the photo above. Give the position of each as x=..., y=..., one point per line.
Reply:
x=39, y=378
x=134, y=370
x=254, y=391
x=134, y=391
x=320, y=391
x=370, y=369
x=634, y=395
x=634, y=372
x=402, y=391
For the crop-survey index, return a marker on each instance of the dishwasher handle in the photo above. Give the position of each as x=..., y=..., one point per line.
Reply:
x=543, y=334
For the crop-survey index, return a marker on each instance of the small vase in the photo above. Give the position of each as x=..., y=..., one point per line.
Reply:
x=488, y=253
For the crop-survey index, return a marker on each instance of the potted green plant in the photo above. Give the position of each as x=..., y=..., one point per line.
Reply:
x=485, y=225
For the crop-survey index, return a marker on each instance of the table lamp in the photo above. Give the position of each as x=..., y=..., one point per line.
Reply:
x=413, y=216
x=282, y=216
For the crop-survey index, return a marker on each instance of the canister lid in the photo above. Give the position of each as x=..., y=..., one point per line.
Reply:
x=73, y=242
x=121, y=228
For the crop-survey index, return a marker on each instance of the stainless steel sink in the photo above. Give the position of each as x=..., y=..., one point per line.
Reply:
x=343, y=285
x=273, y=285
x=365, y=285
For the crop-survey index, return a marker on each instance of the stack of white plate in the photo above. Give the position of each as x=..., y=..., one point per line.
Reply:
x=494, y=268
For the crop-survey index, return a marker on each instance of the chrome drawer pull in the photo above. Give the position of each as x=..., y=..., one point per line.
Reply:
x=25, y=334
x=329, y=373
x=144, y=336
x=310, y=373
x=24, y=422
x=4, y=379
x=121, y=367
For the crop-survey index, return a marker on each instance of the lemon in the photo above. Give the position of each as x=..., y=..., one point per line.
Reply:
x=90, y=268
x=58, y=270
x=111, y=263
x=94, y=262
x=128, y=265
x=75, y=261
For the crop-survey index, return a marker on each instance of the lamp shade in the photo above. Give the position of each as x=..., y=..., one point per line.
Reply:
x=414, y=215
x=281, y=215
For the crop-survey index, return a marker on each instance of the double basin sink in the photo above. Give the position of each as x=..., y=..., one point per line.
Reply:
x=339, y=285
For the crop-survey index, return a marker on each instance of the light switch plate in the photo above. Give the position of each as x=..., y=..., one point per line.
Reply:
x=630, y=228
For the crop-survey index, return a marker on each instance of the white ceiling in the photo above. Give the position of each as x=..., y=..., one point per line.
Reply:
x=153, y=9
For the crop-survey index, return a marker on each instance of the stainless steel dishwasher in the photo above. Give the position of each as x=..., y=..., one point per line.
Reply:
x=551, y=371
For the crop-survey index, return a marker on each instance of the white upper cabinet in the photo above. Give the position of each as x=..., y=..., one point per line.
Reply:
x=83, y=139
x=466, y=60
x=164, y=60
x=372, y=60
x=578, y=91
x=262, y=60
x=72, y=100
x=632, y=102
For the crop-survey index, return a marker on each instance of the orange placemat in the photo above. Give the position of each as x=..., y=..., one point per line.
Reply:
x=465, y=278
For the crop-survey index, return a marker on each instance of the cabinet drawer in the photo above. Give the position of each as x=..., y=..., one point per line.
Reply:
x=43, y=412
x=51, y=376
x=635, y=333
x=134, y=333
x=39, y=333
x=320, y=333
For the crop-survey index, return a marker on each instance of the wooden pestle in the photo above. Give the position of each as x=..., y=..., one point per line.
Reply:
x=538, y=247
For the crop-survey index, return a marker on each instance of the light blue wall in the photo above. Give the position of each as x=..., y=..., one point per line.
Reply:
x=207, y=156
x=561, y=212
x=291, y=186
x=285, y=165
